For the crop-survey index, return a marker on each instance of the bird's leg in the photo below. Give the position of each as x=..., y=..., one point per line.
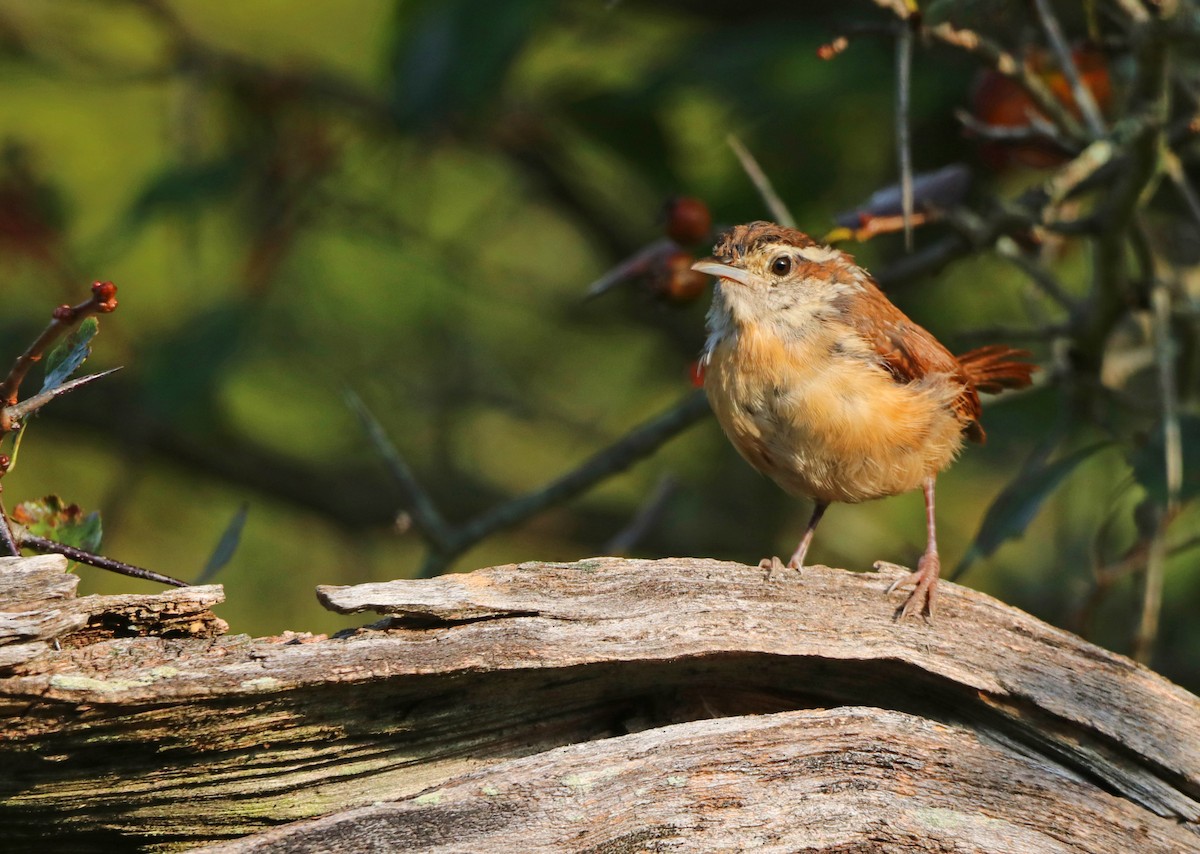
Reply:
x=797, y=561
x=925, y=579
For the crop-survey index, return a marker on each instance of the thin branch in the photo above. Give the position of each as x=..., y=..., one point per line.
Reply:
x=1135, y=10
x=41, y=544
x=1164, y=357
x=1033, y=132
x=103, y=301
x=418, y=502
x=762, y=183
x=1008, y=249
x=1073, y=176
x=637, y=264
x=993, y=55
x=904, y=43
x=1141, y=138
x=876, y=225
x=646, y=517
x=16, y=413
x=1173, y=167
x=633, y=446
x=904, y=140
x=1058, y=43
x=8, y=544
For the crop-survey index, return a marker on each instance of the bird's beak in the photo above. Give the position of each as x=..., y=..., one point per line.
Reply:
x=722, y=271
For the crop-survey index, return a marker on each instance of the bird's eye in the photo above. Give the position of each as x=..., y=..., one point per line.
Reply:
x=781, y=266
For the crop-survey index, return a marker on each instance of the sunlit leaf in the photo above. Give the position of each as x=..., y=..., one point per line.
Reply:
x=226, y=546
x=1017, y=504
x=52, y=519
x=66, y=357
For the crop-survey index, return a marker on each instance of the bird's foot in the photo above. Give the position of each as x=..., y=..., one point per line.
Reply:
x=773, y=564
x=924, y=582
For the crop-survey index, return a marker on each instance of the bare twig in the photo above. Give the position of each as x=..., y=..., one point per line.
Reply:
x=1004, y=133
x=417, y=501
x=1005, y=63
x=877, y=225
x=1008, y=249
x=103, y=300
x=18, y=411
x=762, y=183
x=637, y=264
x=637, y=443
x=41, y=544
x=902, y=9
x=1106, y=576
x=646, y=517
x=904, y=42
x=1058, y=43
x=1073, y=175
x=1173, y=167
x=1164, y=357
x=8, y=544
x=1134, y=9
x=1141, y=138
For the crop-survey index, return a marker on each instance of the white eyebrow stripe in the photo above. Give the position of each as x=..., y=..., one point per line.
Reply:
x=818, y=254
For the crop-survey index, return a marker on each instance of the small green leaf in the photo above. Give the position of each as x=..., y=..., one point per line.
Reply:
x=1149, y=461
x=1017, y=504
x=84, y=533
x=226, y=546
x=66, y=357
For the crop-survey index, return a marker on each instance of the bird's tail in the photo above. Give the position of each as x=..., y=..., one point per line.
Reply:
x=996, y=367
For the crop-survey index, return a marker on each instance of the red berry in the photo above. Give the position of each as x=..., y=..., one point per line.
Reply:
x=677, y=281
x=688, y=220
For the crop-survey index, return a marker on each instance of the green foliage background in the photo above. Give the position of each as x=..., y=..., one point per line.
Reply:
x=410, y=198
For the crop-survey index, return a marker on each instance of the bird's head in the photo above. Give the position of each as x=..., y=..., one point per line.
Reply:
x=768, y=273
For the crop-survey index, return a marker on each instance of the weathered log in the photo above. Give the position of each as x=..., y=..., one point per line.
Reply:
x=845, y=779
x=570, y=706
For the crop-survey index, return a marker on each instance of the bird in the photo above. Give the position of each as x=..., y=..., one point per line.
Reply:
x=826, y=387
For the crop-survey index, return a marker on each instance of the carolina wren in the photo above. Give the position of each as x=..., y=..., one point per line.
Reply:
x=829, y=389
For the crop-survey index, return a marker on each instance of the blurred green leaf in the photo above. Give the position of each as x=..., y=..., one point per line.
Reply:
x=1017, y=504
x=1150, y=466
x=451, y=58
x=226, y=546
x=50, y=518
x=184, y=369
x=66, y=357
x=186, y=186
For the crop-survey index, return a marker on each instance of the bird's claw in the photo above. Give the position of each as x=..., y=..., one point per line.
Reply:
x=924, y=581
x=773, y=564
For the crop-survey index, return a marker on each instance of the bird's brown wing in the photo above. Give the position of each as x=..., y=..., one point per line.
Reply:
x=908, y=351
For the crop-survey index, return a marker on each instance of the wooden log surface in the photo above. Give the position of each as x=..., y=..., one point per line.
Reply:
x=602, y=705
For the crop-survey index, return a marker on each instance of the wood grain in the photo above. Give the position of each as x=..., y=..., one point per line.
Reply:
x=984, y=713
